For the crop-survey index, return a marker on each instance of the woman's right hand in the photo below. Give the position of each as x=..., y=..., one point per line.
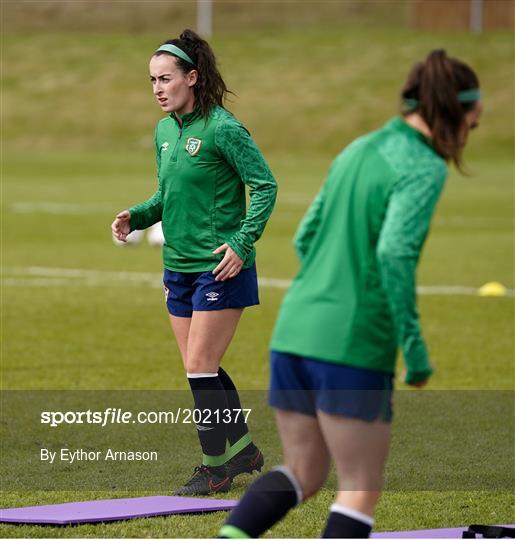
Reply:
x=418, y=384
x=121, y=226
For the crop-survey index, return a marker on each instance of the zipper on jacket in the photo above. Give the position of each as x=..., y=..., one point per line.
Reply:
x=176, y=147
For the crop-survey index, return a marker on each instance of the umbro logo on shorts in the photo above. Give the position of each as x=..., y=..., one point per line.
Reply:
x=167, y=291
x=164, y=146
x=212, y=296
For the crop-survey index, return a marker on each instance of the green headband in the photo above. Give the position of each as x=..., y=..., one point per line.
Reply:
x=172, y=49
x=469, y=96
x=465, y=96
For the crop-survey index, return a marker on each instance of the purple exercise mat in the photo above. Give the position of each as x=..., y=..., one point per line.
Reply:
x=111, y=510
x=426, y=533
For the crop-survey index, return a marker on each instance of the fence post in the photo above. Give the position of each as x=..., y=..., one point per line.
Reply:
x=205, y=18
x=476, y=16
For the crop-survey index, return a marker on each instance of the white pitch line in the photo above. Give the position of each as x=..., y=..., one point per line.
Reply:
x=473, y=221
x=274, y=282
x=80, y=273
x=58, y=208
x=40, y=282
x=288, y=198
x=447, y=290
x=42, y=276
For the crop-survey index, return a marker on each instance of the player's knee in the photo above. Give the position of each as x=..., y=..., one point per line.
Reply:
x=198, y=364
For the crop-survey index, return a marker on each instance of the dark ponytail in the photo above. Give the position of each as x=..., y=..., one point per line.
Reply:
x=210, y=89
x=432, y=91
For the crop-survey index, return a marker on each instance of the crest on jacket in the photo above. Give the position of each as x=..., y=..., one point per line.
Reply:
x=193, y=145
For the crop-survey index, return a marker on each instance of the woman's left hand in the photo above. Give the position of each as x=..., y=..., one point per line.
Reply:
x=229, y=266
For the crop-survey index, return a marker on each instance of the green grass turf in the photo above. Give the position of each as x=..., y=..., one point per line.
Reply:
x=77, y=132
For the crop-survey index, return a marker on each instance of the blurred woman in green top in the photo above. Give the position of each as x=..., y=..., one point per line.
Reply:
x=205, y=158
x=353, y=304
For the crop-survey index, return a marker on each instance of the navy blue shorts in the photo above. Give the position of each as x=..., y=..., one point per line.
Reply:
x=186, y=292
x=306, y=385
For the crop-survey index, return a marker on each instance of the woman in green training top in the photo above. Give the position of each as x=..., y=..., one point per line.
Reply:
x=205, y=157
x=353, y=303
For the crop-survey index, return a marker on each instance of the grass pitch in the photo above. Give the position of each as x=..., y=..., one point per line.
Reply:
x=77, y=136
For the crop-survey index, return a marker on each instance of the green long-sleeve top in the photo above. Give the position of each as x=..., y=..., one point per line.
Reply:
x=354, y=298
x=203, y=166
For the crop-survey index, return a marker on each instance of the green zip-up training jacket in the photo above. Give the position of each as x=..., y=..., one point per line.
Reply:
x=354, y=299
x=202, y=168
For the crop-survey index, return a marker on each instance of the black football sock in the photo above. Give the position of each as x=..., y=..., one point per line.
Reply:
x=266, y=502
x=345, y=522
x=237, y=429
x=210, y=401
